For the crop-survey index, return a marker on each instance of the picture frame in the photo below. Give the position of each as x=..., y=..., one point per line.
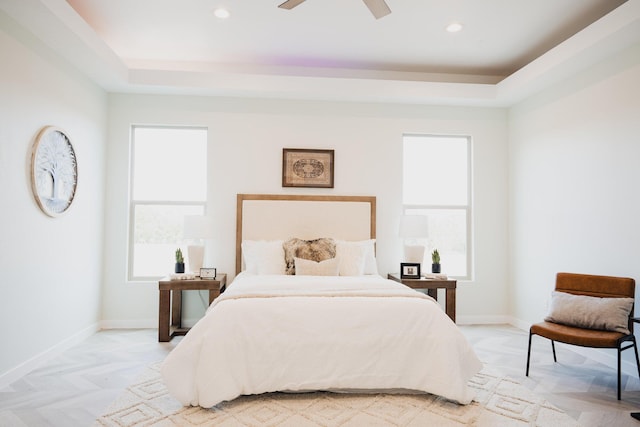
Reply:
x=409, y=270
x=207, y=273
x=303, y=167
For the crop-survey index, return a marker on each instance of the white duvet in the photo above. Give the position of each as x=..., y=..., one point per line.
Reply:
x=302, y=333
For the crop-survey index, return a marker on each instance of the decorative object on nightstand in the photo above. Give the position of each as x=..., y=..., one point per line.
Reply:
x=196, y=228
x=179, y=261
x=410, y=270
x=207, y=273
x=413, y=228
x=435, y=261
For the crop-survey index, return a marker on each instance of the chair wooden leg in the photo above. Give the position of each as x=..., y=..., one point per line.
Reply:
x=553, y=347
x=528, y=355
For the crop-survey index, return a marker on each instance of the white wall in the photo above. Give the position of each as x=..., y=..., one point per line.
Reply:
x=573, y=166
x=51, y=268
x=246, y=137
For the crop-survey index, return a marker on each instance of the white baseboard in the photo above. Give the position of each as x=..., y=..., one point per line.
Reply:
x=29, y=365
x=483, y=320
x=520, y=324
x=141, y=323
x=129, y=324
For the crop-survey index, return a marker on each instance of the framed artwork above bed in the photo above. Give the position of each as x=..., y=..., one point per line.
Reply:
x=303, y=167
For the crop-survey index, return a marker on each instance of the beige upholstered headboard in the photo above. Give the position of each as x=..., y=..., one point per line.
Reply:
x=281, y=216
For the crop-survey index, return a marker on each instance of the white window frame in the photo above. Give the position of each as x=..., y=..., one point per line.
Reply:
x=134, y=203
x=467, y=208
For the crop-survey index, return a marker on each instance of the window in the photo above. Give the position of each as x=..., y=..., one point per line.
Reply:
x=437, y=184
x=168, y=181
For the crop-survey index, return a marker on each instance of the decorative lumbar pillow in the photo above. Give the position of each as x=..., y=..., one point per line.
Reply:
x=305, y=267
x=608, y=314
x=263, y=256
x=356, y=257
x=313, y=250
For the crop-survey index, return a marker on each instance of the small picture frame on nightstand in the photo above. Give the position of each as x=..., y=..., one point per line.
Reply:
x=409, y=270
x=207, y=273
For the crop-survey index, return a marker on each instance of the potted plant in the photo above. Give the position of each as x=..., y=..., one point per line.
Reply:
x=435, y=261
x=179, y=261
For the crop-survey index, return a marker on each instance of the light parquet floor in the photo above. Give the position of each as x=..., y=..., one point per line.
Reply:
x=76, y=387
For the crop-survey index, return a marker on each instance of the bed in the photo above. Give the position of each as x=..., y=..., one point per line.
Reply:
x=308, y=311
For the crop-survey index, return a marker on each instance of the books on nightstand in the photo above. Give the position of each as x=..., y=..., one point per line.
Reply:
x=435, y=276
x=182, y=276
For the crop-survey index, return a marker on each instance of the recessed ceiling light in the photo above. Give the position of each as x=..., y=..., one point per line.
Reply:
x=221, y=13
x=454, y=27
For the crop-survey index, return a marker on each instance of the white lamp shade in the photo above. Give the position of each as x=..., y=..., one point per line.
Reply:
x=196, y=227
x=413, y=226
x=195, y=256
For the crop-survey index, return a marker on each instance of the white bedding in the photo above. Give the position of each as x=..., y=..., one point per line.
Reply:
x=301, y=333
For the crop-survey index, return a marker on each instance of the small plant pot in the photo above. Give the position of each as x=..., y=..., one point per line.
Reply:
x=435, y=268
x=179, y=267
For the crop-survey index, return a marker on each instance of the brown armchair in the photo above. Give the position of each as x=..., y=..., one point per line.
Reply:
x=586, y=335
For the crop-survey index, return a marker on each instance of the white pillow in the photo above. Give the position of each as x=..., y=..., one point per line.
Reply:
x=305, y=267
x=263, y=256
x=356, y=257
x=351, y=258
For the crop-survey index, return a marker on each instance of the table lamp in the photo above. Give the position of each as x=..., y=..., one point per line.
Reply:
x=196, y=229
x=413, y=228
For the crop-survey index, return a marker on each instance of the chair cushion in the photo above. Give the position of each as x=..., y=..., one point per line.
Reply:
x=609, y=314
x=577, y=336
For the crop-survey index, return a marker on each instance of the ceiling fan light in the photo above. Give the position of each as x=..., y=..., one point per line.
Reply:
x=454, y=27
x=378, y=8
x=290, y=4
x=221, y=13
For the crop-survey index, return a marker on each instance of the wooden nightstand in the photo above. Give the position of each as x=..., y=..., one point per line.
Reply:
x=432, y=286
x=170, y=292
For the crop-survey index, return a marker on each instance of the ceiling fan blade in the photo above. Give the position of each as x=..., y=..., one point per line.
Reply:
x=378, y=8
x=290, y=4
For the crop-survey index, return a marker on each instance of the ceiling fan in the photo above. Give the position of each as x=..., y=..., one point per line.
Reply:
x=378, y=8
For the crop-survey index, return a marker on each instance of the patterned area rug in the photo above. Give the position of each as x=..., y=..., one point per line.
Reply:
x=499, y=402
